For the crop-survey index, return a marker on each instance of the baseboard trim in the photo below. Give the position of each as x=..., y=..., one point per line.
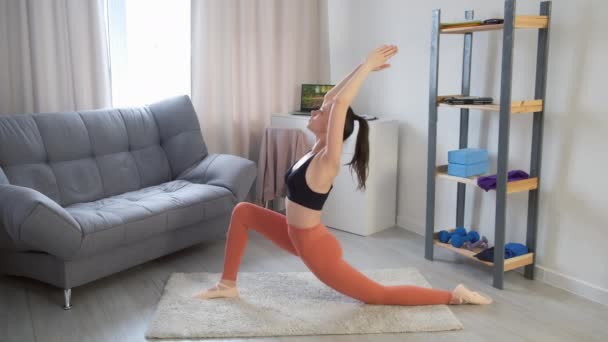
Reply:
x=412, y=226
x=570, y=284
x=546, y=275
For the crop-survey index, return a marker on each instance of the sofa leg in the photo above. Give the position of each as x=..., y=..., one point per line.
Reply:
x=67, y=295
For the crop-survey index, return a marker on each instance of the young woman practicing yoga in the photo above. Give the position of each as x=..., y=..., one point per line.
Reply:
x=309, y=181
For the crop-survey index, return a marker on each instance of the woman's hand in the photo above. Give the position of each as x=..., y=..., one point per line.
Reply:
x=377, y=59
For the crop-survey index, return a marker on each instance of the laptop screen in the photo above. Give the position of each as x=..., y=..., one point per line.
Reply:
x=312, y=96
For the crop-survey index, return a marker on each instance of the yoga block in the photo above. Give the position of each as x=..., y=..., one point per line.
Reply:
x=462, y=170
x=468, y=156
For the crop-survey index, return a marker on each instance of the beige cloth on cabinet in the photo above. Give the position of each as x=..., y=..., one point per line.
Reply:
x=280, y=149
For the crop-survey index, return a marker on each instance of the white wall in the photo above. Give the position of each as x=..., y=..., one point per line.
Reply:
x=573, y=204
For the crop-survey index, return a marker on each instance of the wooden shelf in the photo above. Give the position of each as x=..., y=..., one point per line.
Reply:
x=517, y=107
x=510, y=264
x=521, y=22
x=475, y=28
x=513, y=23
x=512, y=187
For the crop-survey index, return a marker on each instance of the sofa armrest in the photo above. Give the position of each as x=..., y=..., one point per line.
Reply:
x=234, y=173
x=35, y=222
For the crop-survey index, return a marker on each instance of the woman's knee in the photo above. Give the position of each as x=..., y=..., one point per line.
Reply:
x=243, y=208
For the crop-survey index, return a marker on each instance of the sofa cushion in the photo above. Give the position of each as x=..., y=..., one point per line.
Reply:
x=141, y=127
x=37, y=176
x=78, y=180
x=20, y=141
x=5, y=240
x=119, y=173
x=23, y=155
x=3, y=179
x=140, y=214
x=152, y=165
x=75, y=157
x=106, y=130
x=180, y=133
x=65, y=136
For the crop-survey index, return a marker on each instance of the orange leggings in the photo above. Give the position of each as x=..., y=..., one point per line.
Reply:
x=322, y=254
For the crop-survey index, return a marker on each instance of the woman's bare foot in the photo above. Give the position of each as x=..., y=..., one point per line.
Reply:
x=223, y=289
x=462, y=295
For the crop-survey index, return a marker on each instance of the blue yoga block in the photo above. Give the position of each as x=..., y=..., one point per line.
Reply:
x=462, y=170
x=468, y=156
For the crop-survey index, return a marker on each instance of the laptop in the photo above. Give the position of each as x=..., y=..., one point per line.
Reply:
x=312, y=97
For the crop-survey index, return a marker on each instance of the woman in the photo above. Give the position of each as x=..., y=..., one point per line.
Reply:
x=309, y=181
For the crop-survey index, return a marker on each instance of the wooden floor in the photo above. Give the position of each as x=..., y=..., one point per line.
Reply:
x=117, y=308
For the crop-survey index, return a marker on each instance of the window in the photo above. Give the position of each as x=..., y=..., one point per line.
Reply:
x=149, y=44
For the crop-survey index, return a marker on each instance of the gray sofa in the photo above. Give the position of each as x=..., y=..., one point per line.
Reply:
x=87, y=194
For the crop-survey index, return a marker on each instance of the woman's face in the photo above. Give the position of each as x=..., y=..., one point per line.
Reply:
x=319, y=120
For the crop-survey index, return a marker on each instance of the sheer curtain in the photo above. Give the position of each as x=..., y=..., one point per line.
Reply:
x=249, y=58
x=149, y=50
x=53, y=56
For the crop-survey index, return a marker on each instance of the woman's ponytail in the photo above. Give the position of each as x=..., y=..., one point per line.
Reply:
x=361, y=156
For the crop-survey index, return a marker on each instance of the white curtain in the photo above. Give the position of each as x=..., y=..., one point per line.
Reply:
x=249, y=58
x=53, y=56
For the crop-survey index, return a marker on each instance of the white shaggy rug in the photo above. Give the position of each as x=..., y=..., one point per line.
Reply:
x=288, y=303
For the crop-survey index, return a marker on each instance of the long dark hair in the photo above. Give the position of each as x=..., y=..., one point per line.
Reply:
x=361, y=157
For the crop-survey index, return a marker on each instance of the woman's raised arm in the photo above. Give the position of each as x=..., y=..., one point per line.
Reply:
x=376, y=60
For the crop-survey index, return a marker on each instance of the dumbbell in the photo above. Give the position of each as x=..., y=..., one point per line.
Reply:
x=482, y=243
x=459, y=240
x=444, y=236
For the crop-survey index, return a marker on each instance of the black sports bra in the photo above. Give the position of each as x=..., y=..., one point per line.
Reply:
x=298, y=190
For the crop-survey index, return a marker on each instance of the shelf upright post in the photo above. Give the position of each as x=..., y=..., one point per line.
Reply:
x=537, y=134
x=464, y=114
x=432, y=140
x=503, y=142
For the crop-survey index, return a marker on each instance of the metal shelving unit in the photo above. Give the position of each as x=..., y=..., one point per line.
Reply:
x=505, y=109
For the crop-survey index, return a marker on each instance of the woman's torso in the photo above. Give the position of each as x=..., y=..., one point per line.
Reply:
x=318, y=180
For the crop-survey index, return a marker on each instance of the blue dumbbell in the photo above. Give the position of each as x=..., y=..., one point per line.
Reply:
x=444, y=236
x=459, y=240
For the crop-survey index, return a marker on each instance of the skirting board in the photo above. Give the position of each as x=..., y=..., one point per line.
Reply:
x=576, y=286
x=546, y=275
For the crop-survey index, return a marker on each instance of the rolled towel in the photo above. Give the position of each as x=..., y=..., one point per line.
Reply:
x=511, y=250
x=514, y=249
x=489, y=182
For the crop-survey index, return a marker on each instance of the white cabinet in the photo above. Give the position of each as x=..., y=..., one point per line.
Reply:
x=361, y=212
